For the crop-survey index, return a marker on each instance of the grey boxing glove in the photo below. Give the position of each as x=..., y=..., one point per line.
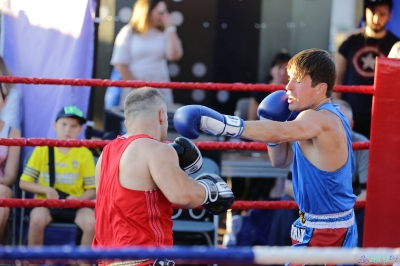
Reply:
x=190, y=159
x=219, y=197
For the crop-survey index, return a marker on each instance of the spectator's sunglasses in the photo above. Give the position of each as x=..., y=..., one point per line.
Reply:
x=2, y=91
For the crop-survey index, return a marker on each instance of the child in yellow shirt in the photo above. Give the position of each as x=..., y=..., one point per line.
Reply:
x=74, y=179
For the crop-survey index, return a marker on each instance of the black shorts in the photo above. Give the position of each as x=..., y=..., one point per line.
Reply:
x=63, y=215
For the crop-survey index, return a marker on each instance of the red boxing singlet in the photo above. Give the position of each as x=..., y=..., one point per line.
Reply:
x=126, y=217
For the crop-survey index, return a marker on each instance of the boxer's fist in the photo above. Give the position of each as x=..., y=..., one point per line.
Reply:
x=219, y=197
x=188, y=120
x=274, y=107
x=190, y=159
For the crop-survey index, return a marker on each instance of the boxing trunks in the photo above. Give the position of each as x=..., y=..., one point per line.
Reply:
x=327, y=230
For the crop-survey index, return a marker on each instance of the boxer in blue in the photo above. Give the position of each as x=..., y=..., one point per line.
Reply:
x=317, y=142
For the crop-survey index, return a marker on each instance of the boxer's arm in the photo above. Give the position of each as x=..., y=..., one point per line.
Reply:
x=176, y=185
x=270, y=131
x=281, y=155
x=308, y=124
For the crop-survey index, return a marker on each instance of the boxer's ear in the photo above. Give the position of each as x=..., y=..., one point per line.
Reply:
x=162, y=116
x=321, y=88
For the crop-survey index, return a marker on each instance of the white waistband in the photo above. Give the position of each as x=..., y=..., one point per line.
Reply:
x=329, y=224
x=327, y=216
x=332, y=225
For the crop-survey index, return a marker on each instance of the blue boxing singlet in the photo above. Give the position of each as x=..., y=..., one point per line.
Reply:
x=322, y=192
x=325, y=199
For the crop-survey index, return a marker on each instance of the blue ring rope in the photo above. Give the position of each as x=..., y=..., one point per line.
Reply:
x=197, y=253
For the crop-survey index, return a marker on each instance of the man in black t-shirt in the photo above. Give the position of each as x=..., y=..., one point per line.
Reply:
x=355, y=61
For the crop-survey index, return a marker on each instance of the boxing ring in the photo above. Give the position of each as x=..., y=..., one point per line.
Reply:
x=381, y=239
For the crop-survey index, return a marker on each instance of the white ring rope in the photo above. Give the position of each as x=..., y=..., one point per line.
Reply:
x=314, y=255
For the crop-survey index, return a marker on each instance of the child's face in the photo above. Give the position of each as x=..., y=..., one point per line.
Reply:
x=67, y=128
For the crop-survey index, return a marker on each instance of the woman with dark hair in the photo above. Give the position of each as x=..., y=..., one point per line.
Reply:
x=277, y=75
x=143, y=46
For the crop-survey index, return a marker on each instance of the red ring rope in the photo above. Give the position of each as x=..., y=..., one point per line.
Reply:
x=171, y=85
x=203, y=145
x=237, y=205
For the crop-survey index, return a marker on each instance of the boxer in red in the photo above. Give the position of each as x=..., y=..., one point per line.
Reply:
x=138, y=177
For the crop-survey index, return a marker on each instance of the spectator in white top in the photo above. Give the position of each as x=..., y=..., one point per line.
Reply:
x=143, y=46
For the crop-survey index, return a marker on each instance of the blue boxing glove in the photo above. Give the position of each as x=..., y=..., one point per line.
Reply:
x=274, y=107
x=188, y=120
